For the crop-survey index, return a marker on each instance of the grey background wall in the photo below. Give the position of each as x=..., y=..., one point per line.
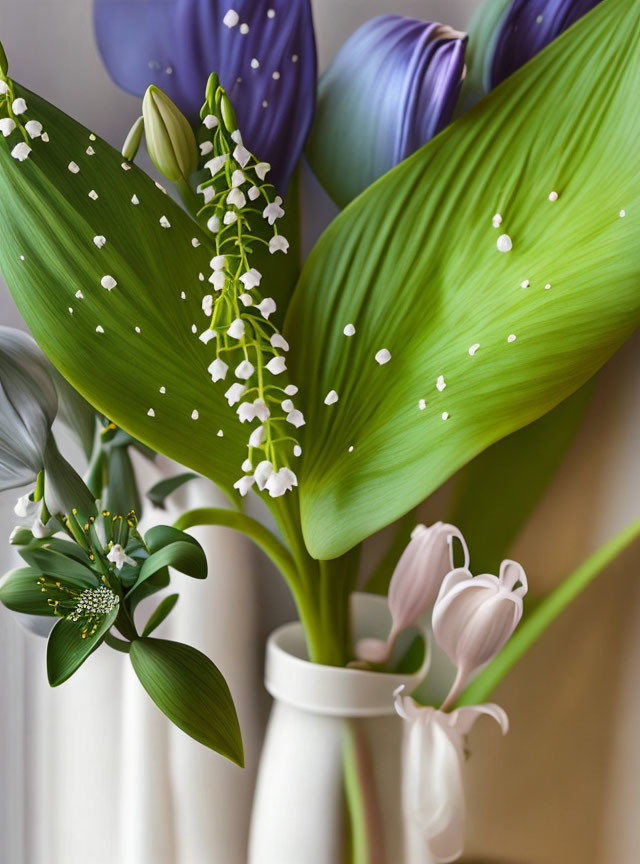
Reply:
x=565, y=784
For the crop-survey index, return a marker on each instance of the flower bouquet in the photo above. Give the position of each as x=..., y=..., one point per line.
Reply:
x=446, y=324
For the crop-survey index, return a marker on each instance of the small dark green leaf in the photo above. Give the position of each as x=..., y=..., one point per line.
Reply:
x=185, y=557
x=67, y=548
x=191, y=691
x=21, y=537
x=122, y=489
x=20, y=592
x=150, y=586
x=64, y=488
x=162, y=535
x=60, y=566
x=160, y=613
x=161, y=491
x=67, y=650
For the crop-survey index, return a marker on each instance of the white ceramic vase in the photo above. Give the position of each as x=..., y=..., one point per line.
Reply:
x=299, y=809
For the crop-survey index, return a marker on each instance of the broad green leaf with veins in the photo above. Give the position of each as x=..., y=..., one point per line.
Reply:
x=413, y=264
x=49, y=218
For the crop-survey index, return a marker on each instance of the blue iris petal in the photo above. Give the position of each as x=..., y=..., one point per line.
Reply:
x=527, y=28
x=176, y=44
x=391, y=87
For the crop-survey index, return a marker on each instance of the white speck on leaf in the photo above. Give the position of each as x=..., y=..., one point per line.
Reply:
x=504, y=243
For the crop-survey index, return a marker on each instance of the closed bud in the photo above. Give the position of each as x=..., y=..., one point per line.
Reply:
x=474, y=617
x=228, y=114
x=213, y=83
x=170, y=140
x=4, y=63
x=132, y=141
x=415, y=583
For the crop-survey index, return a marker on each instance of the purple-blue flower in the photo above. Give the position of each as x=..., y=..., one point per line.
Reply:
x=528, y=27
x=263, y=51
x=391, y=87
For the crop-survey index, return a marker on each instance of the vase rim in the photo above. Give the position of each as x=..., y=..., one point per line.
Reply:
x=332, y=690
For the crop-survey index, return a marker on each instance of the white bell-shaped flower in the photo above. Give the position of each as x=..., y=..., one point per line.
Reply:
x=433, y=774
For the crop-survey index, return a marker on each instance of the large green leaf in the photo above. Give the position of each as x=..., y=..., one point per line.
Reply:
x=67, y=649
x=190, y=690
x=413, y=264
x=498, y=490
x=48, y=217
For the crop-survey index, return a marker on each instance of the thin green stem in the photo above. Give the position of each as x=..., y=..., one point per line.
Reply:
x=545, y=613
x=267, y=541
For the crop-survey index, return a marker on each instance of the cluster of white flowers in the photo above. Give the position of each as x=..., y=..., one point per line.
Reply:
x=92, y=605
x=248, y=346
x=12, y=110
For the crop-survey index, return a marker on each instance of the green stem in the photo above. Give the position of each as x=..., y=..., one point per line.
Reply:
x=270, y=544
x=117, y=644
x=545, y=613
x=365, y=821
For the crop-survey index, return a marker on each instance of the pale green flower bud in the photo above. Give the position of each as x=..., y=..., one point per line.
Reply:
x=170, y=140
x=210, y=95
x=132, y=141
x=228, y=114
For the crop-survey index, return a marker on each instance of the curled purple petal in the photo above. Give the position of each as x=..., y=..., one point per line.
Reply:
x=266, y=62
x=527, y=28
x=391, y=87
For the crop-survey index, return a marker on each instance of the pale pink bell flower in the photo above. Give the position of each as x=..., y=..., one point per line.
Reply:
x=414, y=585
x=432, y=774
x=474, y=616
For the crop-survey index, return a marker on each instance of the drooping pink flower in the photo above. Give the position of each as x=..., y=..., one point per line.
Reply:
x=474, y=616
x=433, y=779
x=415, y=582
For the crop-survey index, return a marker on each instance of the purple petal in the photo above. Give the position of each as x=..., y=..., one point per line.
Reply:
x=529, y=26
x=391, y=87
x=176, y=44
